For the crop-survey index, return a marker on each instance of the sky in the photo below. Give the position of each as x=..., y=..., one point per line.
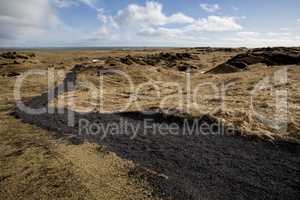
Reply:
x=164, y=23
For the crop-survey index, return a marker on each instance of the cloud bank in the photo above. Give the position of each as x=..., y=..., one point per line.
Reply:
x=26, y=18
x=142, y=22
x=37, y=23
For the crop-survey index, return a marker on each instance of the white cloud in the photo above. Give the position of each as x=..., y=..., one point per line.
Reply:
x=278, y=33
x=298, y=20
x=161, y=32
x=210, y=7
x=148, y=22
x=262, y=41
x=259, y=39
x=65, y=3
x=104, y=30
x=180, y=18
x=263, y=35
x=215, y=24
x=36, y=22
x=106, y=20
x=91, y=3
x=149, y=15
x=69, y=3
x=249, y=34
x=26, y=18
x=285, y=29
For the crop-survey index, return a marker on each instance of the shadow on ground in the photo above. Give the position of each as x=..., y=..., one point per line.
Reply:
x=185, y=166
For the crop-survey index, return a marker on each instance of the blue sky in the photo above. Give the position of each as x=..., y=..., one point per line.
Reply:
x=229, y=23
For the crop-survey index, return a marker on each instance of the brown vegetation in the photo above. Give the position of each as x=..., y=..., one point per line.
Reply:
x=37, y=163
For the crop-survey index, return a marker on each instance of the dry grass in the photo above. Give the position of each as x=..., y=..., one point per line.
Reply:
x=35, y=165
x=235, y=108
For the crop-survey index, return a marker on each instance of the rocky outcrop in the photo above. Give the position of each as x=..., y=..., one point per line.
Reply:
x=268, y=56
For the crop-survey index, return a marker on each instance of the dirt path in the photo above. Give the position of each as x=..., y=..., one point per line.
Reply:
x=35, y=165
x=189, y=166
